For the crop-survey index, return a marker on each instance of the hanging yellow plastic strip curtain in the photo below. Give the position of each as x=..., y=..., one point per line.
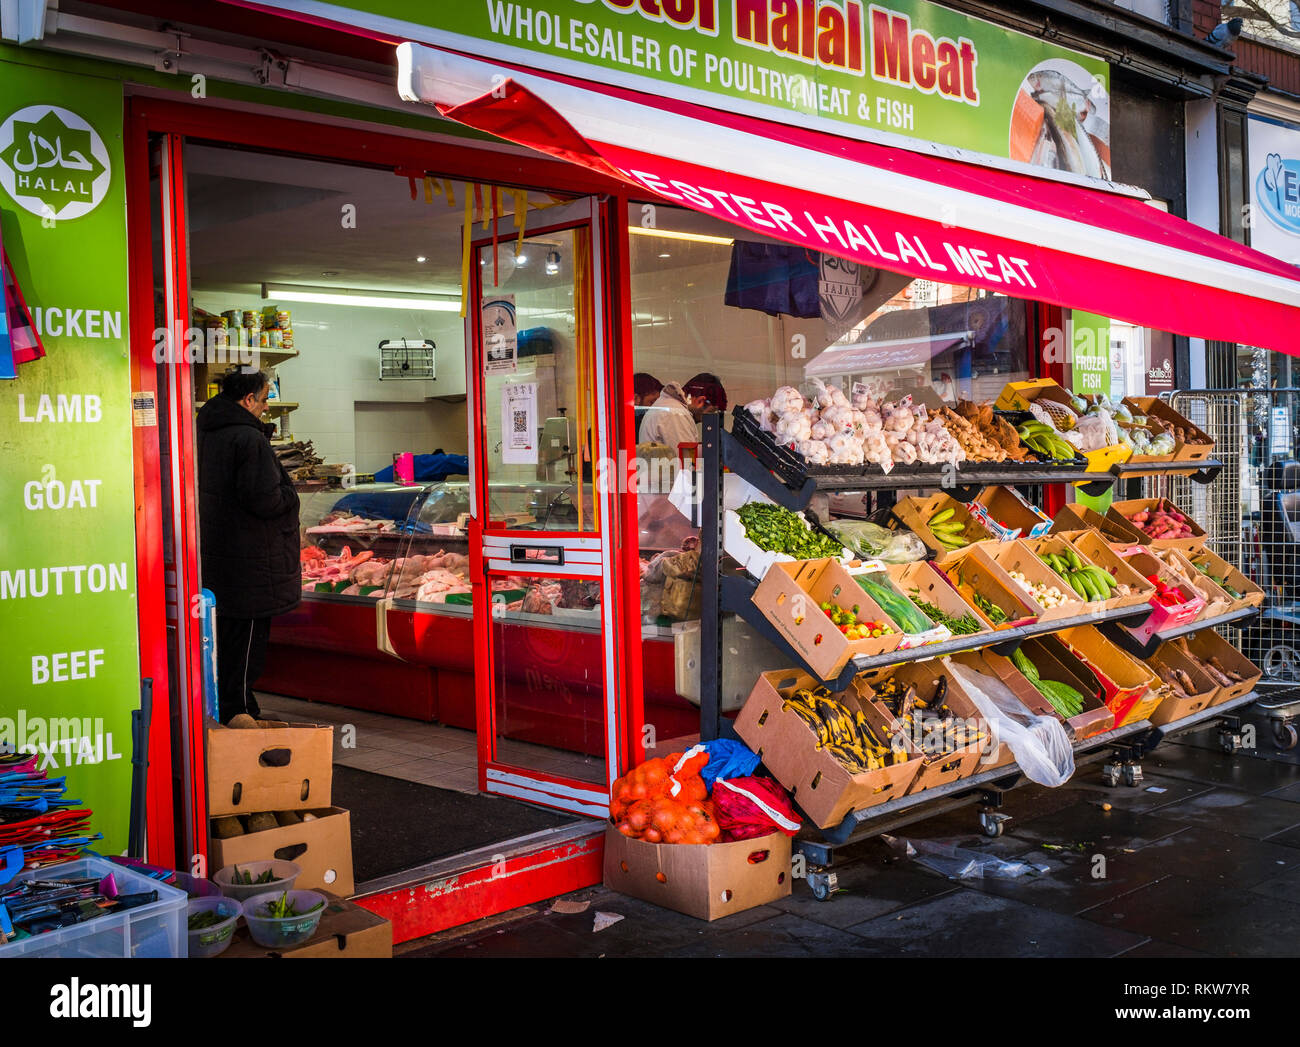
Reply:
x=496, y=225
x=584, y=322
x=521, y=218
x=465, y=254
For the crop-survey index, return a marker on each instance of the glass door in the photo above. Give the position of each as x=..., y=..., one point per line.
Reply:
x=540, y=525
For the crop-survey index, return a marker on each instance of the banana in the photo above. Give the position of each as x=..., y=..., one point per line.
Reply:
x=941, y=517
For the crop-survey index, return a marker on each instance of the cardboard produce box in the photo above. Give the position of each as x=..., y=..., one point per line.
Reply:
x=884, y=579
x=1124, y=512
x=942, y=761
x=1221, y=572
x=1006, y=515
x=1217, y=600
x=322, y=848
x=1098, y=551
x=790, y=597
x=822, y=787
x=1017, y=396
x=976, y=577
x=915, y=513
x=1163, y=616
x=925, y=582
x=1020, y=557
x=345, y=932
x=707, y=881
x=1204, y=690
x=285, y=767
x=994, y=755
x=1054, y=661
x=1195, y=446
x=1114, y=531
x=1132, y=690
x=1206, y=644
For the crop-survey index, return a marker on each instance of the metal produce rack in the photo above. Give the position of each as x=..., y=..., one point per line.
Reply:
x=784, y=478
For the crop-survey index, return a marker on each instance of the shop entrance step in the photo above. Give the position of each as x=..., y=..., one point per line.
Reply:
x=466, y=887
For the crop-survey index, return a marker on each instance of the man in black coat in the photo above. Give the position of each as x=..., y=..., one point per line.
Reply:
x=248, y=534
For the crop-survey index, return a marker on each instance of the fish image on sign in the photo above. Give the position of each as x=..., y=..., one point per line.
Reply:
x=1061, y=120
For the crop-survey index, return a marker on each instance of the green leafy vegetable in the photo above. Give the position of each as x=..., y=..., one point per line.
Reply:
x=778, y=530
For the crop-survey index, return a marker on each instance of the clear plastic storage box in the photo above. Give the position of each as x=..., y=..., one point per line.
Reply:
x=149, y=931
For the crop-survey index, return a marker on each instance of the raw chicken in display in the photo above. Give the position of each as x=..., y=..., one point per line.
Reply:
x=348, y=523
x=319, y=568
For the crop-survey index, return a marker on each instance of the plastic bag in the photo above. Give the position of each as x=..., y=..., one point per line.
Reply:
x=727, y=759
x=873, y=542
x=747, y=808
x=963, y=863
x=1039, y=743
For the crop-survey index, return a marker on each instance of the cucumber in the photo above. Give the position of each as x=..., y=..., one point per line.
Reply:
x=1024, y=664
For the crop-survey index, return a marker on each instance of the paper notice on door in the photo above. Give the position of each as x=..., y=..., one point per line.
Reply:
x=500, y=335
x=519, y=423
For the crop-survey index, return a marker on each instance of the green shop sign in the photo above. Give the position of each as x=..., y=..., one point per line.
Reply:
x=908, y=67
x=69, y=661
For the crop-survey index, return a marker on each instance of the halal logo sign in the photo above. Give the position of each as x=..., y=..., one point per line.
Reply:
x=52, y=162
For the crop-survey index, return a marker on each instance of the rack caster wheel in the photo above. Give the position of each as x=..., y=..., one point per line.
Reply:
x=823, y=884
x=1132, y=774
x=1112, y=773
x=1285, y=736
x=1229, y=740
x=991, y=824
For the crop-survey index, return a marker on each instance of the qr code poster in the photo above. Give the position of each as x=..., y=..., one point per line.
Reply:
x=500, y=335
x=519, y=423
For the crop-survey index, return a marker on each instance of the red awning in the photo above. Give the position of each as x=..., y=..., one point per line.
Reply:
x=880, y=356
x=1107, y=252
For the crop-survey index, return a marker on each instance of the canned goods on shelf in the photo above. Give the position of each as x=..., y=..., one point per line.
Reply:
x=252, y=320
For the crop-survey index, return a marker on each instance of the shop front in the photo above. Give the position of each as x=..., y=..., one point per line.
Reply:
x=458, y=300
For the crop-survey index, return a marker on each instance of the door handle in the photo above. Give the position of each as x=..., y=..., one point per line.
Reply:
x=541, y=554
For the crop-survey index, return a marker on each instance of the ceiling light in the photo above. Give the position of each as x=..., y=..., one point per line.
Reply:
x=552, y=262
x=330, y=273
x=421, y=258
x=673, y=234
x=369, y=299
x=521, y=259
x=665, y=255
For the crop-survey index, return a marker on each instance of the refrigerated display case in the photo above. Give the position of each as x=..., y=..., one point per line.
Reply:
x=386, y=622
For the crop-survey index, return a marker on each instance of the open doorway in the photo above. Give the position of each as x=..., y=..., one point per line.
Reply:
x=342, y=283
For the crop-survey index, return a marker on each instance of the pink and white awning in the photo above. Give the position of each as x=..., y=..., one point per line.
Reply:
x=1104, y=250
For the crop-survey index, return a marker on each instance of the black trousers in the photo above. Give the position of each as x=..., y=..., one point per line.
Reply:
x=241, y=653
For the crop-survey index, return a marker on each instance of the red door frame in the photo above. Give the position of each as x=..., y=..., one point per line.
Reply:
x=160, y=818
x=318, y=139
x=482, y=528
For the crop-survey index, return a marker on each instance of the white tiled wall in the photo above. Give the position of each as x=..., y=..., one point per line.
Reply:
x=346, y=411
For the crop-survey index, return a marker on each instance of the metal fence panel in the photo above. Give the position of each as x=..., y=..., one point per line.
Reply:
x=1251, y=512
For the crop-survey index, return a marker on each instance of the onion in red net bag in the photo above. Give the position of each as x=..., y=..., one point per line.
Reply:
x=747, y=808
